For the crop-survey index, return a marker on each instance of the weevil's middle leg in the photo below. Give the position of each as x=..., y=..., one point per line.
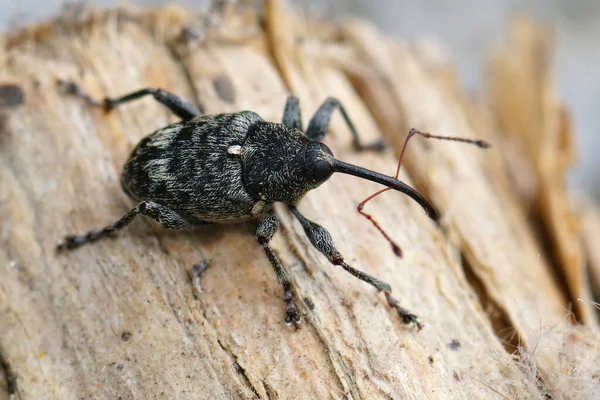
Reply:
x=319, y=125
x=322, y=241
x=166, y=217
x=264, y=233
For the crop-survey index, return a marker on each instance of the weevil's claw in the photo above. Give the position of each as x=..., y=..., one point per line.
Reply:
x=74, y=241
x=407, y=316
x=377, y=146
x=69, y=243
x=292, y=316
x=483, y=144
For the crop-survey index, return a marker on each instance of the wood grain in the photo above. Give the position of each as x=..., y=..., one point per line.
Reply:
x=121, y=318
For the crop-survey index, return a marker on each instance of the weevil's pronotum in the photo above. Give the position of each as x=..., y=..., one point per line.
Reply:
x=230, y=168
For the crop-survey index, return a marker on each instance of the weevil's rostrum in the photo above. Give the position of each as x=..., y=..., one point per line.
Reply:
x=230, y=168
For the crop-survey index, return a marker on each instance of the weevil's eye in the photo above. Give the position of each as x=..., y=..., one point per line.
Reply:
x=321, y=170
x=318, y=163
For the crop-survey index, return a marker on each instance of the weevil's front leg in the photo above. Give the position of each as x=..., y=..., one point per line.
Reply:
x=264, y=233
x=322, y=241
x=166, y=217
x=319, y=125
x=176, y=104
x=291, y=113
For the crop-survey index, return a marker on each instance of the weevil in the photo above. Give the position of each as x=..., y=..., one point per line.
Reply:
x=231, y=168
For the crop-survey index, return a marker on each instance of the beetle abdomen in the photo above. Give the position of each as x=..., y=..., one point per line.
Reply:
x=186, y=167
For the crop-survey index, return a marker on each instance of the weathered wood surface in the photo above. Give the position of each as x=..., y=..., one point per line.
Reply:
x=121, y=319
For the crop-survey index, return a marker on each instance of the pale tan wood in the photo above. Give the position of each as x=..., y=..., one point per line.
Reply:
x=515, y=278
x=453, y=176
x=529, y=112
x=590, y=218
x=120, y=318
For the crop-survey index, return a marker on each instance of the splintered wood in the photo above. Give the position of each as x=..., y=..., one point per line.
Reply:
x=128, y=318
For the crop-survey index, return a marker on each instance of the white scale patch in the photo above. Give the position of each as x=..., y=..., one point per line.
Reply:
x=235, y=150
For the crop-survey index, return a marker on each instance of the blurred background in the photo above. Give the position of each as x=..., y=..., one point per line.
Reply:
x=469, y=29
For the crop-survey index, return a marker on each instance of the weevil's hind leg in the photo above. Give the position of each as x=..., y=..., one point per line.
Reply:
x=319, y=125
x=291, y=113
x=180, y=107
x=322, y=241
x=166, y=217
x=176, y=104
x=264, y=233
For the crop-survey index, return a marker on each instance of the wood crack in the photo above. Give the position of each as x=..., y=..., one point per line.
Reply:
x=502, y=325
x=9, y=375
x=239, y=369
x=339, y=367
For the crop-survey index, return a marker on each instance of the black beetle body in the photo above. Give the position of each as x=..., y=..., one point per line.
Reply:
x=230, y=168
x=184, y=166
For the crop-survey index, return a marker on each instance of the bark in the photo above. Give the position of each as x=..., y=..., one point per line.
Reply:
x=124, y=319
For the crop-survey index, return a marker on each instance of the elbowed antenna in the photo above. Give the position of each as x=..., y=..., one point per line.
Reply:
x=340, y=166
x=394, y=183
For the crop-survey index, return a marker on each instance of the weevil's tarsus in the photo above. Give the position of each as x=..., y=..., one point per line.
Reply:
x=407, y=316
x=166, y=217
x=73, y=89
x=180, y=107
x=429, y=209
x=267, y=227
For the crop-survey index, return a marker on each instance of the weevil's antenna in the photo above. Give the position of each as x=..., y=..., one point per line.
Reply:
x=391, y=183
x=429, y=209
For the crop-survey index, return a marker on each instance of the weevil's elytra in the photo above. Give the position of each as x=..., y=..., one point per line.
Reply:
x=188, y=168
x=230, y=168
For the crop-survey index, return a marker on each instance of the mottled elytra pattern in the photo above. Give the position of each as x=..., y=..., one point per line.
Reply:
x=229, y=168
x=189, y=180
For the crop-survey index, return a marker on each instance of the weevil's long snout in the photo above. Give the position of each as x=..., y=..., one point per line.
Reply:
x=345, y=168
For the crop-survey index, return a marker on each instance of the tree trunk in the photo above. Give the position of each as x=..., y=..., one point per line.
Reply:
x=126, y=318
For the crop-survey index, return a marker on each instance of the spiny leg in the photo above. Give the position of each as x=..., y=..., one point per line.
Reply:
x=180, y=107
x=264, y=233
x=322, y=241
x=319, y=125
x=166, y=217
x=291, y=113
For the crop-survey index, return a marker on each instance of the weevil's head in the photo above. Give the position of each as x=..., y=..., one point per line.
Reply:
x=281, y=164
